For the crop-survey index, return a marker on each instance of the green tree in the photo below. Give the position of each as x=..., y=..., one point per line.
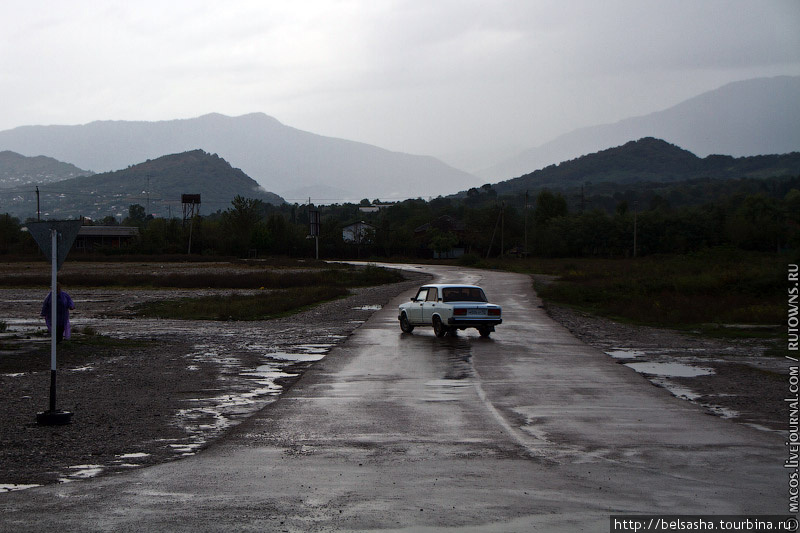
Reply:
x=241, y=220
x=442, y=242
x=548, y=206
x=758, y=223
x=10, y=233
x=136, y=216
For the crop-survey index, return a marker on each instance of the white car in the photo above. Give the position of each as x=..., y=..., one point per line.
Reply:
x=449, y=308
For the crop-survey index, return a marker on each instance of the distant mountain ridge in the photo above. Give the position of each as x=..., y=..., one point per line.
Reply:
x=157, y=183
x=751, y=117
x=18, y=170
x=650, y=159
x=280, y=158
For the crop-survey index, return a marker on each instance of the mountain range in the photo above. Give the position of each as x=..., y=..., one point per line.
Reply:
x=295, y=163
x=156, y=184
x=745, y=118
x=650, y=160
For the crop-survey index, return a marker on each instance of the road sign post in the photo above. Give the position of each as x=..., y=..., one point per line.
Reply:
x=54, y=238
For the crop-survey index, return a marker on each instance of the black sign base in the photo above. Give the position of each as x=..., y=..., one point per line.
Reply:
x=53, y=418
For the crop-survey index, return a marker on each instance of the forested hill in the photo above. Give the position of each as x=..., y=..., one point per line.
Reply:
x=157, y=183
x=650, y=159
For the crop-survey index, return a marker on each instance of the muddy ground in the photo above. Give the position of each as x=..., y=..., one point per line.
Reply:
x=145, y=391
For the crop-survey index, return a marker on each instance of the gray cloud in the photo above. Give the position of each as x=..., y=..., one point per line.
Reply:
x=468, y=81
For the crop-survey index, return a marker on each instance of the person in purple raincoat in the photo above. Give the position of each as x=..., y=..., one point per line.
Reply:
x=63, y=305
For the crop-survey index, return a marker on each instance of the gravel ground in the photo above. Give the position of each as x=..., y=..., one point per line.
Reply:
x=145, y=391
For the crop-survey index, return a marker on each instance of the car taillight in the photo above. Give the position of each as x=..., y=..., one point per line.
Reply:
x=494, y=312
x=459, y=312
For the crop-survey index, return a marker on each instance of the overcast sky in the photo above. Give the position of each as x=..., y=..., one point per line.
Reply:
x=470, y=82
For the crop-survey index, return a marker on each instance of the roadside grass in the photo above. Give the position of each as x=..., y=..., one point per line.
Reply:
x=249, y=278
x=272, y=304
x=704, y=291
x=288, y=287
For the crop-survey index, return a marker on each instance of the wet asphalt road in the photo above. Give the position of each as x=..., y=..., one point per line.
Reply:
x=529, y=430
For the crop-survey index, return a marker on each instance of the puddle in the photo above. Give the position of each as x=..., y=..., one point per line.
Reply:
x=186, y=449
x=13, y=487
x=296, y=357
x=670, y=370
x=722, y=412
x=314, y=348
x=133, y=455
x=685, y=393
x=24, y=322
x=82, y=472
x=625, y=354
x=368, y=308
x=120, y=462
x=305, y=353
x=266, y=374
x=679, y=391
x=299, y=353
x=211, y=416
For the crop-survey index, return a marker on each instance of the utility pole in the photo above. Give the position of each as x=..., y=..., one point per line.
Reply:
x=502, y=229
x=499, y=217
x=635, y=210
x=526, y=224
x=38, y=211
x=314, y=228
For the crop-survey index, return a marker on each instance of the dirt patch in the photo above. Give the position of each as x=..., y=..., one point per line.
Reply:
x=145, y=391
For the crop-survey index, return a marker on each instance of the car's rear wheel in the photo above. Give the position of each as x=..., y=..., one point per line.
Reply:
x=484, y=331
x=405, y=325
x=438, y=328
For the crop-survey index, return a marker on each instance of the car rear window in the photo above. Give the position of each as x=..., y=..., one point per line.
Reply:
x=463, y=294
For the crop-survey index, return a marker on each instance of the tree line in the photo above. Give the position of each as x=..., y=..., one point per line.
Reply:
x=630, y=220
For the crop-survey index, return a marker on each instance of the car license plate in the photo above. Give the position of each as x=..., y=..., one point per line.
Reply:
x=476, y=312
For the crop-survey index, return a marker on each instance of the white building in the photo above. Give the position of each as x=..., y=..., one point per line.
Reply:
x=358, y=233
